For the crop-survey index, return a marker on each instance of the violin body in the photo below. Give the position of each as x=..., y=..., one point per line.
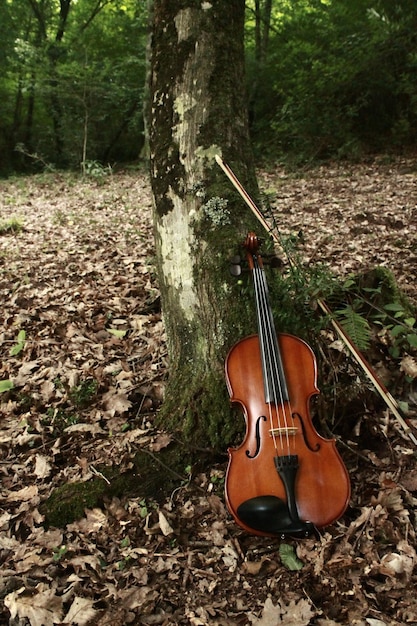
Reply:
x=284, y=479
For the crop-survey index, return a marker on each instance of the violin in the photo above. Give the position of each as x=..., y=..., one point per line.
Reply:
x=284, y=479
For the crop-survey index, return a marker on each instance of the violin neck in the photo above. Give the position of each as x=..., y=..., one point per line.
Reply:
x=275, y=385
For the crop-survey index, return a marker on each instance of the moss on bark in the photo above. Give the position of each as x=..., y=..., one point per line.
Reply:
x=153, y=476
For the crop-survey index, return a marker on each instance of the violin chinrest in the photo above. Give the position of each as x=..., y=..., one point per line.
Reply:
x=270, y=514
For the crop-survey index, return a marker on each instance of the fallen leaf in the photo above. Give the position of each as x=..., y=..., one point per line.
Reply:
x=164, y=525
x=294, y=614
x=115, y=402
x=42, y=466
x=80, y=612
x=43, y=608
x=408, y=365
x=24, y=494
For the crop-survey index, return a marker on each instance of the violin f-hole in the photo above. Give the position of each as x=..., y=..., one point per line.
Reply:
x=308, y=444
x=257, y=437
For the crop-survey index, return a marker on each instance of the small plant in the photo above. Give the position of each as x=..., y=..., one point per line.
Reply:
x=60, y=218
x=59, y=553
x=400, y=323
x=376, y=301
x=356, y=326
x=20, y=343
x=82, y=394
x=289, y=558
x=143, y=511
x=59, y=419
x=95, y=169
x=12, y=226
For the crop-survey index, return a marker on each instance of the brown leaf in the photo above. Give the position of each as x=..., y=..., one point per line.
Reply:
x=409, y=366
x=80, y=612
x=294, y=614
x=116, y=402
x=43, y=608
x=24, y=494
x=42, y=466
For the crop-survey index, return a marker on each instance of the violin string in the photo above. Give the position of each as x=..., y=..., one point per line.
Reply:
x=277, y=372
x=279, y=394
x=274, y=373
x=264, y=354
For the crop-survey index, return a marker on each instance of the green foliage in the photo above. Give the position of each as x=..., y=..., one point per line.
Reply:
x=11, y=226
x=366, y=305
x=293, y=293
x=95, y=169
x=72, y=87
x=355, y=326
x=20, y=343
x=374, y=301
x=59, y=553
x=339, y=77
x=325, y=78
x=83, y=394
x=58, y=420
x=289, y=558
x=6, y=385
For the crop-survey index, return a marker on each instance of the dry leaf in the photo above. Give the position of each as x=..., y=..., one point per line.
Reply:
x=164, y=525
x=409, y=366
x=24, y=494
x=162, y=440
x=42, y=466
x=294, y=614
x=81, y=612
x=115, y=402
x=43, y=608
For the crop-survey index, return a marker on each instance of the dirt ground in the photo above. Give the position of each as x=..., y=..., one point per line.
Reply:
x=82, y=343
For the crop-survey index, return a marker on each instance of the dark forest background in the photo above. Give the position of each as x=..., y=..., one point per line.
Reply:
x=325, y=79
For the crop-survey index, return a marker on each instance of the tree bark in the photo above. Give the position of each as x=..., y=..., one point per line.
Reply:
x=198, y=109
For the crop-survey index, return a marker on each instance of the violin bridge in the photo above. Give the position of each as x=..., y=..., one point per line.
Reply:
x=283, y=431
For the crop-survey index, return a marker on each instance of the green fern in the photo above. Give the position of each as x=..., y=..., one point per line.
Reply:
x=356, y=326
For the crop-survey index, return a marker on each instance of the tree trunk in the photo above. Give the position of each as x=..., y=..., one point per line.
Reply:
x=198, y=109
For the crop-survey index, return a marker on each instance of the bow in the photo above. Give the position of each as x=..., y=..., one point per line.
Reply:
x=366, y=367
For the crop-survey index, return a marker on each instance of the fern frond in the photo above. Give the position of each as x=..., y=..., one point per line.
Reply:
x=356, y=326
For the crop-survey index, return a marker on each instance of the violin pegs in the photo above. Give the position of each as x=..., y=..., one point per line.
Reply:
x=235, y=266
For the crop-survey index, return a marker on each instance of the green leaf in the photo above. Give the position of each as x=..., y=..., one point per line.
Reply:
x=289, y=558
x=116, y=332
x=397, y=330
x=59, y=553
x=18, y=347
x=5, y=385
x=394, y=306
x=412, y=340
x=356, y=326
x=21, y=337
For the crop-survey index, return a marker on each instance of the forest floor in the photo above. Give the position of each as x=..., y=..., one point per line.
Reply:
x=82, y=342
